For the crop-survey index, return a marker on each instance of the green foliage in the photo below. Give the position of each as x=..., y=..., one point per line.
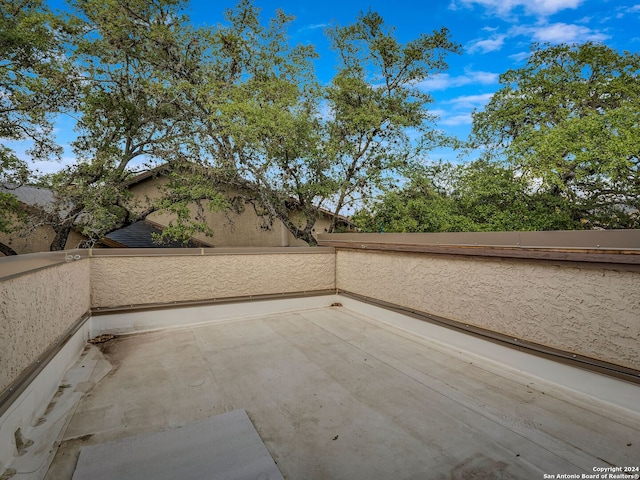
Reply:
x=374, y=104
x=569, y=121
x=562, y=149
x=129, y=110
x=34, y=75
x=255, y=108
x=11, y=213
x=189, y=187
x=477, y=196
x=237, y=99
x=33, y=88
x=417, y=207
x=237, y=108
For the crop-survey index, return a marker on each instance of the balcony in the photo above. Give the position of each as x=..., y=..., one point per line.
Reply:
x=373, y=356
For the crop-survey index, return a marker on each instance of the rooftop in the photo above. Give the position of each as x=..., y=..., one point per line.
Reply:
x=335, y=393
x=483, y=361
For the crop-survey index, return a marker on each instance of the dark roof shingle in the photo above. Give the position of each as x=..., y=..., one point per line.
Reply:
x=139, y=235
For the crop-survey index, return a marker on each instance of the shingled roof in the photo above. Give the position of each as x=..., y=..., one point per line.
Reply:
x=140, y=235
x=35, y=197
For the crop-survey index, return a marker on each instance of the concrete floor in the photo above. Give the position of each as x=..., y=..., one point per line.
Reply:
x=335, y=394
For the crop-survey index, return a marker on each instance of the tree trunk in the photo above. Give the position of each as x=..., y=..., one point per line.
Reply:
x=64, y=228
x=309, y=238
x=7, y=250
x=60, y=240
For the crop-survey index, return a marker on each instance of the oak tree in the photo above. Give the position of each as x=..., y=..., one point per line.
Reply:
x=34, y=86
x=130, y=115
x=472, y=196
x=569, y=122
x=268, y=128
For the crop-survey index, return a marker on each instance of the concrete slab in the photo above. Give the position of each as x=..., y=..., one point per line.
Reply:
x=337, y=394
x=224, y=447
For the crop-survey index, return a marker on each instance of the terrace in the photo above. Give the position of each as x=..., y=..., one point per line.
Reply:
x=414, y=356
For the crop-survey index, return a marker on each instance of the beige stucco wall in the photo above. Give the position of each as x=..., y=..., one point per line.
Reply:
x=37, y=240
x=35, y=310
x=117, y=281
x=230, y=229
x=21, y=241
x=584, y=310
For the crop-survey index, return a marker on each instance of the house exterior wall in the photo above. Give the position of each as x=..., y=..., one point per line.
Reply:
x=132, y=280
x=37, y=240
x=230, y=229
x=322, y=225
x=35, y=310
x=591, y=311
x=74, y=240
x=148, y=189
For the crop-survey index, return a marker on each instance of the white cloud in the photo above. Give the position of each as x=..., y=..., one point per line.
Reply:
x=460, y=108
x=444, y=80
x=519, y=57
x=440, y=81
x=314, y=26
x=560, y=33
x=532, y=7
x=487, y=45
x=438, y=112
x=471, y=101
x=21, y=148
x=455, y=120
x=622, y=11
x=485, y=78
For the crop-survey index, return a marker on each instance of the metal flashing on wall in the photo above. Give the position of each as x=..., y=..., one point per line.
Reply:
x=569, y=358
x=172, y=252
x=17, y=265
x=617, y=247
x=210, y=301
x=578, y=239
x=22, y=381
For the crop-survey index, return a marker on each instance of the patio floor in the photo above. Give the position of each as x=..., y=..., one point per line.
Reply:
x=335, y=394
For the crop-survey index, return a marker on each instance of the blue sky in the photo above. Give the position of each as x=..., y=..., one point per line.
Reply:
x=495, y=36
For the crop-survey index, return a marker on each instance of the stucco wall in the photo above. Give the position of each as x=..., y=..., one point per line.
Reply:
x=117, y=281
x=35, y=310
x=230, y=229
x=587, y=311
x=39, y=240
x=25, y=240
